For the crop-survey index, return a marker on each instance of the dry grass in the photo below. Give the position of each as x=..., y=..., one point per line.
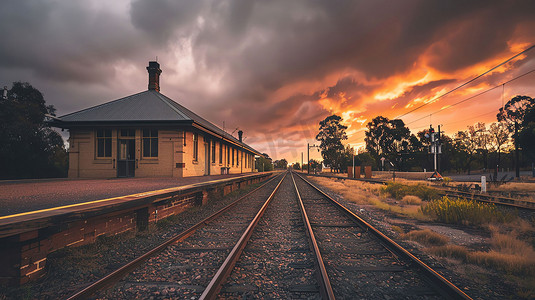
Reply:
x=508, y=253
x=411, y=200
x=522, y=226
x=510, y=263
x=427, y=237
x=397, y=229
x=515, y=187
x=453, y=251
x=354, y=191
x=368, y=194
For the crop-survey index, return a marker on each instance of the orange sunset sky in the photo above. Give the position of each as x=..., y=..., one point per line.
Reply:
x=275, y=69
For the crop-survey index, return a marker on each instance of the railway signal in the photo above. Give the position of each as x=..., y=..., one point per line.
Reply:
x=435, y=148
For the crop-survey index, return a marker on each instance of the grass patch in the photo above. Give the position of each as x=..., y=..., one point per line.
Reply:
x=354, y=191
x=427, y=237
x=508, y=254
x=453, y=251
x=462, y=211
x=411, y=200
x=515, y=187
x=510, y=263
x=398, y=191
x=397, y=229
x=368, y=194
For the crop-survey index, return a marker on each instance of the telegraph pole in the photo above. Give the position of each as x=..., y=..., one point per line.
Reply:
x=517, y=159
x=439, y=148
x=308, y=155
x=308, y=158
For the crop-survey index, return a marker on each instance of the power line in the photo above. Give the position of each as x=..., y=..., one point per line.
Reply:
x=474, y=96
x=464, y=100
x=469, y=81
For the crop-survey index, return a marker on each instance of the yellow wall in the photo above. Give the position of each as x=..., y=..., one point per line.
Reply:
x=174, y=158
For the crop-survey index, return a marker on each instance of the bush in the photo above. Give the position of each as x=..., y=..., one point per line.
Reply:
x=462, y=211
x=398, y=191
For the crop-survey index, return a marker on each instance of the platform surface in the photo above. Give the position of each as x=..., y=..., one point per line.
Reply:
x=19, y=196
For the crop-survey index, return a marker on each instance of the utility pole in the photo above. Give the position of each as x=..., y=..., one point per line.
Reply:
x=301, y=161
x=353, y=171
x=517, y=160
x=308, y=155
x=308, y=158
x=439, y=146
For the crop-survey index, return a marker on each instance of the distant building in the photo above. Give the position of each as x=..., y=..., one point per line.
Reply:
x=149, y=135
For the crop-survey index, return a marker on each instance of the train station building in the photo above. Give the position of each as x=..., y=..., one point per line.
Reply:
x=150, y=135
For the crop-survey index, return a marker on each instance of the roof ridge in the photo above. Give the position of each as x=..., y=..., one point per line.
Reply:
x=162, y=96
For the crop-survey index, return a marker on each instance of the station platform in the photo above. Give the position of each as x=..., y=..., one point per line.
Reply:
x=20, y=196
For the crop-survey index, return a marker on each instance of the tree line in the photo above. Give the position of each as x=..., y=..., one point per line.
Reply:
x=480, y=146
x=29, y=148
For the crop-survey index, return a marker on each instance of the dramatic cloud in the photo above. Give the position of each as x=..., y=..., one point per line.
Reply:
x=275, y=68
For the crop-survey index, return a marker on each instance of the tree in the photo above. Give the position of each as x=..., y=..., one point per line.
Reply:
x=29, y=148
x=263, y=163
x=365, y=159
x=281, y=164
x=514, y=111
x=467, y=141
x=315, y=165
x=499, y=135
x=482, y=141
x=526, y=137
x=296, y=166
x=331, y=134
x=388, y=138
x=513, y=114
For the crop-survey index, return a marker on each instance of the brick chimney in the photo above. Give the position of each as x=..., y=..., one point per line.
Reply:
x=154, y=75
x=240, y=135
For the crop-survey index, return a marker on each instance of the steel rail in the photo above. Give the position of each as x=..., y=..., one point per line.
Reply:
x=213, y=288
x=503, y=201
x=446, y=287
x=326, y=288
x=121, y=272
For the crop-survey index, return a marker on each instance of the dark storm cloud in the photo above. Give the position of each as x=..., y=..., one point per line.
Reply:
x=479, y=36
x=229, y=60
x=64, y=41
x=161, y=19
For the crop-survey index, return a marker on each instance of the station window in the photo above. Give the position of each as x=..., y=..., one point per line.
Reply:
x=150, y=143
x=103, y=142
x=238, y=157
x=195, y=146
x=213, y=152
x=128, y=132
x=220, y=152
x=228, y=155
x=233, y=156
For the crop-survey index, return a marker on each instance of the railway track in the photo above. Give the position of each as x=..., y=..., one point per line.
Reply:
x=364, y=263
x=289, y=241
x=121, y=275
x=487, y=198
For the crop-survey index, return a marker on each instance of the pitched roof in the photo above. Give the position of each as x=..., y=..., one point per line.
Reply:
x=147, y=106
